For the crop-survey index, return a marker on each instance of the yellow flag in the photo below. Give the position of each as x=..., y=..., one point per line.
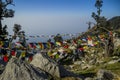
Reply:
x=1, y=43
x=23, y=54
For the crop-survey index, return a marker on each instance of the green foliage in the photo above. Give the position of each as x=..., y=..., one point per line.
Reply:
x=98, y=5
x=118, y=33
x=87, y=71
x=5, y=13
x=4, y=33
x=8, y=13
x=5, y=30
x=101, y=20
x=16, y=28
x=115, y=68
x=95, y=16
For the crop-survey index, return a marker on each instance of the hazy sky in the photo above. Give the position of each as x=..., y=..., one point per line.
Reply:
x=57, y=16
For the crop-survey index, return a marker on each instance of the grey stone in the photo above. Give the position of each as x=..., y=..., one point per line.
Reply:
x=116, y=42
x=92, y=62
x=86, y=66
x=89, y=78
x=104, y=75
x=113, y=62
x=19, y=70
x=78, y=62
x=48, y=65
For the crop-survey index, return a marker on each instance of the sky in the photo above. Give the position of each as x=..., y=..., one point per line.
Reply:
x=47, y=17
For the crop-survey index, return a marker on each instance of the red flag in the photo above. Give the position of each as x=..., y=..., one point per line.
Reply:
x=5, y=58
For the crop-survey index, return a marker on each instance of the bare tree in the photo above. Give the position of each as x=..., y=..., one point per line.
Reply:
x=89, y=24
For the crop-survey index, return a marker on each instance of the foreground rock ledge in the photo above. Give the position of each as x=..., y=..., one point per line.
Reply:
x=19, y=70
x=48, y=65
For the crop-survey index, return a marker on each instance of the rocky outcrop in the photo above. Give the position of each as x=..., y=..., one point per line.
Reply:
x=116, y=42
x=48, y=65
x=104, y=75
x=19, y=70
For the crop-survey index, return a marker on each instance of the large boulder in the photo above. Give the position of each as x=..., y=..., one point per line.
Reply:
x=116, y=42
x=19, y=70
x=105, y=75
x=50, y=66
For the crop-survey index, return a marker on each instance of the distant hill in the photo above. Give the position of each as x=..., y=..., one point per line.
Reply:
x=114, y=22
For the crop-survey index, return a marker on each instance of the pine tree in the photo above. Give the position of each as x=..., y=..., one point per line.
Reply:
x=101, y=27
x=98, y=5
x=5, y=13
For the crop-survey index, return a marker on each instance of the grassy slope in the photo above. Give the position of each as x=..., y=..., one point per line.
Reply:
x=115, y=68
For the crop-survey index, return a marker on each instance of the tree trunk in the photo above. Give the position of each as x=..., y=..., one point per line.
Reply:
x=0, y=27
x=109, y=47
x=1, y=11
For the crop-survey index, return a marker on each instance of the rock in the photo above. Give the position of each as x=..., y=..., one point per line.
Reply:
x=115, y=57
x=88, y=78
x=92, y=62
x=116, y=42
x=85, y=66
x=71, y=66
x=78, y=62
x=104, y=75
x=100, y=62
x=114, y=61
x=1, y=68
x=19, y=70
x=71, y=78
x=48, y=65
